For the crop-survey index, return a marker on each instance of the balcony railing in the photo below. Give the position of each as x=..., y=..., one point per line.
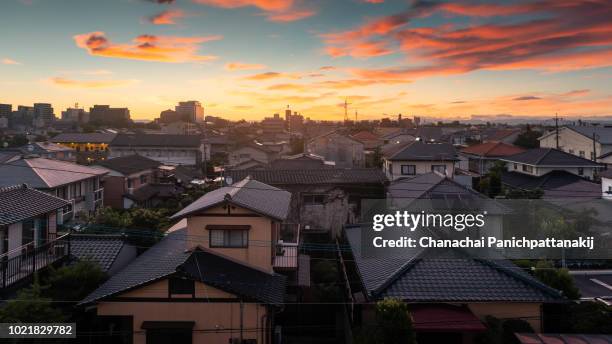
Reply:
x=20, y=263
x=98, y=195
x=287, y=250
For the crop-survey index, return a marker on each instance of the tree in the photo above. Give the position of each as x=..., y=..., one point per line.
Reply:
x=30, y=307
x=297, y=145
x=491, y=183
x=113, y=218
x=559, y=279
x=74, y=282
x=393, y=322
x=528, y=139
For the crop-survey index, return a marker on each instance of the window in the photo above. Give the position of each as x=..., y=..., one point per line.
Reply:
x=229, y=238
x=143, y=179
x=580, y=171
x=592, y=156
x=181, y=286
x=528, y=168
x=438, y=168
x=129, y=183
x=408, y=169
x=609, y=189
x=581, y=153
x=515, y=166
x=313, y=199
x=571, y=151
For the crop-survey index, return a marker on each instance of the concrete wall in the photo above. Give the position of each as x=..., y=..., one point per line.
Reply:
x=223, y=315
x=574, y=143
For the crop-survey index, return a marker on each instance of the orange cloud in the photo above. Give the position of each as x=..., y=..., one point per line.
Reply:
x=274, y=10
x=555, y=37
x=71, y=83
x=8, y=61
x=232, y=66
x=171, y=49
x=272, y=75
x=167, y=17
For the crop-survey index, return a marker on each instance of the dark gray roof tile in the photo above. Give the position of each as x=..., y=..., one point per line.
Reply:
x=18, y=203
x=102, y=249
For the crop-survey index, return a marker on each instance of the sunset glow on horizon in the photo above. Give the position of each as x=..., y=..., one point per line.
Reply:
x=248, y=59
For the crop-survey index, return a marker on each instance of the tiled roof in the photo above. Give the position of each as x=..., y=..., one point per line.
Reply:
x=498, y=134
x=130, y=164
x=235, y=278
x=102, y=249
x=365, y=136
x=44, y=147
x=419, y=276
x=555, y=184
x=549, y=157
x=41, y=173
x=420, y=150
x=314, y=176
x=493, y=149
x=247, y=193
x=169, y=256
x=84, y=138
x=159, y=261
x=19, y=202
x=156, y=140
x=446, y=193
x=150, y=191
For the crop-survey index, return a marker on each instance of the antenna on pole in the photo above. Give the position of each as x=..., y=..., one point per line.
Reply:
x=355, y=116
x=346, y=104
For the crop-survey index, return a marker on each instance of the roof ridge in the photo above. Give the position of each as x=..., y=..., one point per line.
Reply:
x=13, y=187
x=529, y=281
x=35, y=170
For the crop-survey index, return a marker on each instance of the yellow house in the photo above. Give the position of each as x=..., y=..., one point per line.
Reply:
x=211, y=282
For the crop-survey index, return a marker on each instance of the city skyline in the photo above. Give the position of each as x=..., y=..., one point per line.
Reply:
x=251, y=58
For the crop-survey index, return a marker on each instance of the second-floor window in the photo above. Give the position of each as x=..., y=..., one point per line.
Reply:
x=229, y=238
x=581, y=153
x=408, y=169
x=528, y=168
x=580, y=171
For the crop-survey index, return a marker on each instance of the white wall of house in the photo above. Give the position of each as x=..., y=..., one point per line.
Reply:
x=574, y=143
x=168, y=155
x=393, y=169
x=606, y=188
x=586, y=172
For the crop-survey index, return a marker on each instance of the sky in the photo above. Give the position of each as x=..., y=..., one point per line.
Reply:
x=248, y=59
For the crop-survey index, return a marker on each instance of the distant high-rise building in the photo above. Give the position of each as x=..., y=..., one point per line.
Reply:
x=170, y=116
x=23, y=116
x=43, y=113
x=417, y=121
x=75, y=115
x=191, y=111
x=273, y=124
x=296, y=123
x=104, y=114
x=6, y=110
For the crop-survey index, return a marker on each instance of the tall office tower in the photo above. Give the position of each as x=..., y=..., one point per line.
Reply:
x=43, y=112
x=104, y=114
x=191, y=111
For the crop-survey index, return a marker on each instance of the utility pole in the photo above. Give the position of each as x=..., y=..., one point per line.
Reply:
x=595, y=138
x=557, y=128
x=355, y=116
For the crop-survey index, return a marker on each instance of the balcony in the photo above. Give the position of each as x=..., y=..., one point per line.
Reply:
x=287, y=249
x=19, y=264
x=98, y=196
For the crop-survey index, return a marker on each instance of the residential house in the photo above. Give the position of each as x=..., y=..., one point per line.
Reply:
x=345, y=151
x=89, y=147
x=370, y=140
x=249, y=153
x=540, y=161
x=180, y=128
x=110, y=251
x=125, y=175
x=558, y=174
x=79, y=185
x=419, y=157
x=324, y=199
x=301, y=161
x=589, y=142
x=449, y=294
x=606, y=184
x=505, y=135
x=28, y=231
x=213, y=281
x=50, y=150
x=167, y=149
x=481, y=157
